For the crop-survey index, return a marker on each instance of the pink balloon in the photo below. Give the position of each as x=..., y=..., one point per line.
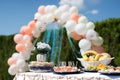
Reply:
x=31, y=37
x=75, y=17
x=18, y=38
x=76, y=36
x=98, y=49
x=41, y=9
x=20, y=47
x=22, y=30
x=11, y=61
x=31, y=24
x=27, y=30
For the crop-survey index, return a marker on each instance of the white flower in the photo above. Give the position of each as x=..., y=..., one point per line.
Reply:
x=43, y=47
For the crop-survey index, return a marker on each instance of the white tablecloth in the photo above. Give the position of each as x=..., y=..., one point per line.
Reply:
x=53, y=76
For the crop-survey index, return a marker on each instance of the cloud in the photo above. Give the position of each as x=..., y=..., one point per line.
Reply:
x=78, y=3
x=95, y=11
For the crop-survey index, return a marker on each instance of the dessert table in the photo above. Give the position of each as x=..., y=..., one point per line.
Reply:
x=53, y=76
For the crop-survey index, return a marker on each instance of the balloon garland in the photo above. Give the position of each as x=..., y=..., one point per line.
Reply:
x=78, y=28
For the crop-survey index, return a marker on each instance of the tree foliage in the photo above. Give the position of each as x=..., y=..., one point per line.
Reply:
x=110, y=31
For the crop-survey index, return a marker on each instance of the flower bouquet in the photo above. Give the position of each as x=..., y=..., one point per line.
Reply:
x=43, y=48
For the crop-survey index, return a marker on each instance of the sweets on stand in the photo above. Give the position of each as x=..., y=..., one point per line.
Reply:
x=41, y=66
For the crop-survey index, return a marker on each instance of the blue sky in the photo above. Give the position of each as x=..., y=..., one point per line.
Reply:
x=16, y=13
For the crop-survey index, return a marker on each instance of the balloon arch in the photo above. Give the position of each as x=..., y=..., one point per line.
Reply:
x=77, y=26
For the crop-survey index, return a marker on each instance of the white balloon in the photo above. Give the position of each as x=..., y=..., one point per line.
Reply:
x=16, y=55
x=47, y=9
x=83, y=19
x=43, y=19
x=70, y=25
x=36, y=33
x=91, y=34
x=80, y=28
x=57, y=14
x=49, y=18
x=24, y=68
x=82, y=52
x=40, y=27
x=65, y=17
x=29, y=46
x=60, y=23
x=38, y=23
x=37, y=16
x=50, y=9
x=13, y=69
x=84, y=44
x=53, y=8
x=73, y=10
x=26, y=38
x=90, y=25
x=98, y=41
x=20, y=63
x=64, y=8
x=25, y=55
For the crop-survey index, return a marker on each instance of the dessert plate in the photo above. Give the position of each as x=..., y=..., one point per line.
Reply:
x=109, y=73
x=85, y=70
x=74, y=72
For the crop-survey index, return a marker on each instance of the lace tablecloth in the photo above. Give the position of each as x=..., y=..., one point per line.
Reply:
x=53, y=76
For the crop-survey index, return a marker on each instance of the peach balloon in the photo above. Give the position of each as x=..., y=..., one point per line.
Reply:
x=27, y=30
x=22, y=30
x=31, y=37
x=18, y=38
x=41, y=9
x=20, y=47
x=11, y=61
x=75, y=17
x=98, y=49
x=76, y=36
x=31, y=24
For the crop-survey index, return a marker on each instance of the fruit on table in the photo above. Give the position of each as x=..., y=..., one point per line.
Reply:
x=97, y=57
x=90, y=52
x=91, y=58
x=90, y=67
x=104, y=56
x=111, y=69
x=101, y=66
x=92, y=55
x=85, y=58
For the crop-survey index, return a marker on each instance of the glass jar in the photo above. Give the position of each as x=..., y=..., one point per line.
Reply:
x=41, y=57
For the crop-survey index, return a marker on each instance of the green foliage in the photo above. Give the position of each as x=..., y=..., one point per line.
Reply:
x=7, y=47
x=108, y=29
